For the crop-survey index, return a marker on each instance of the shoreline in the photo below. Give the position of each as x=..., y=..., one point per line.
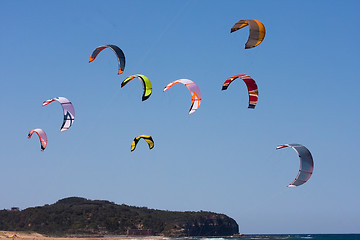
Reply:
x=28, y=235
x=37, y=236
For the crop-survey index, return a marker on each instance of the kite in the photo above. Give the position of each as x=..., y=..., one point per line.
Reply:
x=194, y=91
x=306, y=164
x=257, y=31
x=145, y=82
x=251, y=86
x=119, y=53
x=69, y=111
x=42, y=137
x=147, y=138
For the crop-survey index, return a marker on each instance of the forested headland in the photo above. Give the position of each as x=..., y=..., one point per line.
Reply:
x=80, y=216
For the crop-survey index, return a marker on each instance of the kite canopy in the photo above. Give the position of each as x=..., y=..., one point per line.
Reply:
x=119, y=53
x=147, y=138
x=69, y=111
x=42, y=137
x=194, y=91
x=306, y=164
x=251, y=86
x=146, y=84
x=256, y=32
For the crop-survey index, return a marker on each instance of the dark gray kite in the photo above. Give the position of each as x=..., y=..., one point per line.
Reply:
x=256, y=34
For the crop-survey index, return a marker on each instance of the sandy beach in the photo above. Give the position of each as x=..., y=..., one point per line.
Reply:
x=37, y=236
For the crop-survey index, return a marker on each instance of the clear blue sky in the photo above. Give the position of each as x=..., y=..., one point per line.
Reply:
x=222, y=158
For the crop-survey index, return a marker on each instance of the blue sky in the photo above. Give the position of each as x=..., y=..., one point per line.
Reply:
x=222, y=158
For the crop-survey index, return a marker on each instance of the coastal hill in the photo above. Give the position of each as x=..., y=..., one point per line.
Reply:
x=80, y=216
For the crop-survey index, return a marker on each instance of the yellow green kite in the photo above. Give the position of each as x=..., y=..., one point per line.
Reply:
x=147, y=138
x=146, y=84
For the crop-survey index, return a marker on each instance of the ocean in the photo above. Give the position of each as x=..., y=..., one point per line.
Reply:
x=279, y=237
x=291, y=237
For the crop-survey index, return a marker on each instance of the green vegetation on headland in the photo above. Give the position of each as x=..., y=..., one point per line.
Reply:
x=80, y=216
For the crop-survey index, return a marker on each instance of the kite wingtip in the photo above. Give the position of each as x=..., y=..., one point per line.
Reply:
x=145, y=98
